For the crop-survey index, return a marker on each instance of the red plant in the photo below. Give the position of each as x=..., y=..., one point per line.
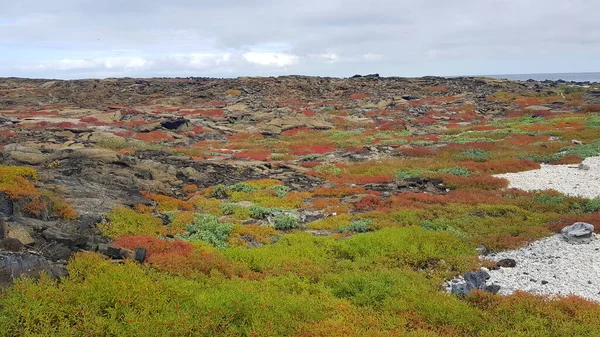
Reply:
x=359, y=96
x=253, y=155
x=308, y=113
x=301, y=150
x=417, y=152
x=152, y=137
x=591, y=108
x=474, y=182
x=501, y=166
x=568, y=160
x=371, y=202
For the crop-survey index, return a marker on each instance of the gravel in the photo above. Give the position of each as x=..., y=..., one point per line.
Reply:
x=575, y=180
x=552, y=267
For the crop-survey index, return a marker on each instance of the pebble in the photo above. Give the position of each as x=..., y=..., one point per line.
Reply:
x=567, y=179
x=571, y=267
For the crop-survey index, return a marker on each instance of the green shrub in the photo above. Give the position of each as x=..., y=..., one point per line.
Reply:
x=357, y=226
x=280, y=190
x=124, y=221
x=242, y=187
x=207, y=228
x=261, y=213
x=219, y=192
x=593, y=205
x=477, y=155
x=285, y=221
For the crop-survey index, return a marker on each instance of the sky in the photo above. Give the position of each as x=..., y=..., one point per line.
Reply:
x=70, y=39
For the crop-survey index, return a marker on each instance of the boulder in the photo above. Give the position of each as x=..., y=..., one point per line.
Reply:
x=506, y=263
x=14, y=265
x=70, y=240
x=469, y=282
x=578, y=233
x=22, y=234
x=11, y=245
x=140, y=254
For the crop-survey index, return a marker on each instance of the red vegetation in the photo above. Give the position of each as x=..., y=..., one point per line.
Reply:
x=153, y=137
x=568, y=160
x=480, y=182
x=371, y=202
x=301, y=150
x=253, y=155
x=417, y=152
x=501, y=166
x=180, y=258
x=210, y=113
x=568, y=220
x=359, y=96
x=591, y=108
x=308, y=113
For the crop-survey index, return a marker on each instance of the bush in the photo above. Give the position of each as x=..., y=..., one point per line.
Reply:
x=125, y=221
x=261, y=213
x=219, y=192
x=208, y=228
x=285, y=221
x=357, y=226
x=593, y=205
x=476, y=155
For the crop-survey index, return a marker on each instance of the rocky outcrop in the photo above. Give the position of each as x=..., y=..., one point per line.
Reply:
x=578, y=233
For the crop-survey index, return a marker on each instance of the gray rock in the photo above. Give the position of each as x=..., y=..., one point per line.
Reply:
x=578, y=233
x=506, y=263
x=140, y=254
x=11, y=245
x=69, y=240
x=469, y=282
x=15, y=265
x=493, y=288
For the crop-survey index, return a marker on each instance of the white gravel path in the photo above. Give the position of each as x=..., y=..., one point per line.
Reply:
x=568, y=269
x=567, y=179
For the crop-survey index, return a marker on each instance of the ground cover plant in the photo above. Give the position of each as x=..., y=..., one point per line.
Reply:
x=282, y=215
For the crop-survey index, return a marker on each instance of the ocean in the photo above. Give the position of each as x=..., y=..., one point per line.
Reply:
x=575, y=77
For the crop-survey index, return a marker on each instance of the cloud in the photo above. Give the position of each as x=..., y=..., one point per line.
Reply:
x=271, y=59
x=324, y=37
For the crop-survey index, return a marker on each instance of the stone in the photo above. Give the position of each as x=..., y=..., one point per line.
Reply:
x=140, y=254
x=21, y=234
x=469, y=282
x=14, y=265
x=482, y=250
x=578, y=233
x=3, y=229
x=11, y=245
x=70, y=240
x=493, y=288
x=28, y=158
x=506, y=263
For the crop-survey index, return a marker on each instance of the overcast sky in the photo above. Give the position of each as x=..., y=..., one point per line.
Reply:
x=145, y=38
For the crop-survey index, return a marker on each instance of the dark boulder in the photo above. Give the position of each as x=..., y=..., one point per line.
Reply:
x=140, y=254
x=506, y=263
x=70, y=240
x=14, y=265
